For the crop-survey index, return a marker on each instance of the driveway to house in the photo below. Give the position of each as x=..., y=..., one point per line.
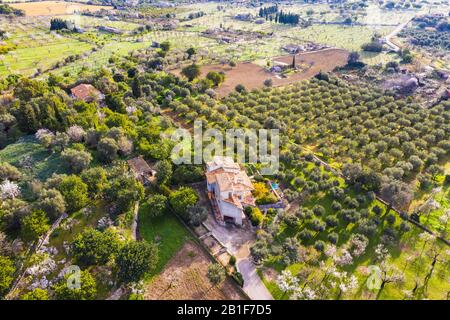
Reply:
x=238, y=242
x=388, y=38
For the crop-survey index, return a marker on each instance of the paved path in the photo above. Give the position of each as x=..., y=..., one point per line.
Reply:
x=253, y=284
x=238, y=241
x=387, y=39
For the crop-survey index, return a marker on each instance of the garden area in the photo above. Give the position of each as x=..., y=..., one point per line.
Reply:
x=169, y=235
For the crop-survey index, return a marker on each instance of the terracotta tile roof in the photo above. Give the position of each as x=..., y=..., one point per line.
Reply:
x=249, y=200
x=211, y=175
x=226, y=163
x=234, y=201
x=228, y=181
x=86, y=92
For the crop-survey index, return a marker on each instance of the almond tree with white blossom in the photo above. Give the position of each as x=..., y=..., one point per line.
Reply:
x=287, y=282
x=9, y=190
x=303, y=293
x=76, y=133
x=389, y=274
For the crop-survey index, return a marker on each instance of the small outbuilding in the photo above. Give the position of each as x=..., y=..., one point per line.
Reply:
x=86, y=93
x=142, y=170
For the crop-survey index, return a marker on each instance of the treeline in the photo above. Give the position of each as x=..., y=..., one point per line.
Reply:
x=265, y=12
x=287, y=18
x=273, y=14
x=58, y=24
x=375, y=45
x=425, y=38
x=195, y=15
x=434, y=21
x=6, y=9
x=118, y=3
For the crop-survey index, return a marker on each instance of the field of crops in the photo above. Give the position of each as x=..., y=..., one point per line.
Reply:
x=53, y=8
x=35, y=46
x=86, y=22
x=37, y=49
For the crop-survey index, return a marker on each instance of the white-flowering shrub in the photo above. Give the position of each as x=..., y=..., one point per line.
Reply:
x=357, y=244
x=344, y=258
x=381, y=253
x=76, y=133
x=130, y=110
x=286, y=281
x=9, y=190
x=303, y=293
x=42, y=133
x=330, y=250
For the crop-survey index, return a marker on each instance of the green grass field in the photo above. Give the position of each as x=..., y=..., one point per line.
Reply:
x=28, y=60
x=93, y=22
x=167, y=232
x=43, y=163
x=435, y=219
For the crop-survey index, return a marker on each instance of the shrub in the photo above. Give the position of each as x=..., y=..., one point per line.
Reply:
x=182, y=199
x=136, y=259
x=256, y=217
x=34, y=225
x=240, y=88
x=319, y=245
x=87, y=290
x=92, y=247
x=155, y=206
x=36, y=294
x=268, y=198
x=7, y=270
x=76, y=160
x=333, y=238
x=9, y=172
x=268, y=82
x=237, y=276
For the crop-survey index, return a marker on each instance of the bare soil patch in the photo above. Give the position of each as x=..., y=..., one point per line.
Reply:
x=54, y=8
x=253, y=76
x=184, y=277
x=323, y=60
